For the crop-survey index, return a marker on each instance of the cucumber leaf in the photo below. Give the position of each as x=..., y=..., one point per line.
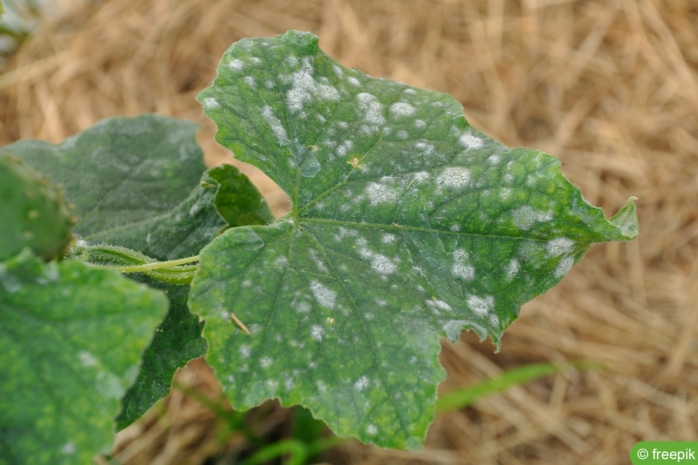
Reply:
x=71, y=341
x=406, y=225
x=140, y=183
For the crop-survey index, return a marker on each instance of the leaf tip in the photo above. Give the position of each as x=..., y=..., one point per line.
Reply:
x=626, y=220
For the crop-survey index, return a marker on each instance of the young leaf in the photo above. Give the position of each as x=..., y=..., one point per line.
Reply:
x=33, y=212
x=406, y=225
x=71, y=342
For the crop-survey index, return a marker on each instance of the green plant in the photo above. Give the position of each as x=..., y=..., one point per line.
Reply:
x=406, y=225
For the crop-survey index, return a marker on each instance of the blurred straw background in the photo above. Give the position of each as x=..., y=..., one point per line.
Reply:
x=611, y=87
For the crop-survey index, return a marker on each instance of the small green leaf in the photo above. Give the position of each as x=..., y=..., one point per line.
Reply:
x=406, y=224
x=237, y=200
x=33, y=212
x=71, y=341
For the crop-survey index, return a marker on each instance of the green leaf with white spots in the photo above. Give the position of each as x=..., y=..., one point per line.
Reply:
x=71, y=342
x=121, y=171
x=141, y=183
x=406, y=225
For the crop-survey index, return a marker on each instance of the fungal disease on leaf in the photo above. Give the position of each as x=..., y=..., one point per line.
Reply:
x=406, y=225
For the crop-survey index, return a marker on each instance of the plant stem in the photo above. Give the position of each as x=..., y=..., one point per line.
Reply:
x=159, y=265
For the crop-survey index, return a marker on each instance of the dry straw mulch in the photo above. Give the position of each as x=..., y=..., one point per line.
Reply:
x=611, y=87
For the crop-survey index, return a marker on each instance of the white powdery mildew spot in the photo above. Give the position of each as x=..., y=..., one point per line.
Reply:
x=380, y=193
x=460, y=255
x=87, y=359
x=275, y=124
x=372, y=429
x=249, y=80
x=362, y=247
x=426, y=149
x=304, y=88
x=563, y=267
x=383, y=264
x=344, y=148
x=244, y=351
x=361, y=383
x=470, y=142
x=388, y=238
x=319, y=263
x=211, y=103
x=437, y=306
x=524, y=217
x=265, y=362
x=68, y=448
x=560, y=246
x=324, y=296
x=512, y=268
x=481, y=305
x=461, y=268
x=420, y=124
x=353, y=81
x=272, y=384
x=303, y=307
x=316, y=332
x=371, y=109
x=236, y=64
x=454, y=177
x=465, y=272
x=401, y=109
x=420, y=176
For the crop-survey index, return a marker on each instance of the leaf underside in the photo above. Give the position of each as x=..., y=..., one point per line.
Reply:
x=406, y=225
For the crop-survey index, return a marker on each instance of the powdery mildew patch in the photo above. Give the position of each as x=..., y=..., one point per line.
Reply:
x=324, y=296
x=305, y=89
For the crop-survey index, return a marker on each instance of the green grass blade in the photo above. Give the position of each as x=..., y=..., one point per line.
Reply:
x=467, y=395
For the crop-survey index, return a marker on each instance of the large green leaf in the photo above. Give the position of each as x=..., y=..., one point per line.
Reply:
x=33, y=212
x=183, y=208
x=406, y=225
x=71, y=341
